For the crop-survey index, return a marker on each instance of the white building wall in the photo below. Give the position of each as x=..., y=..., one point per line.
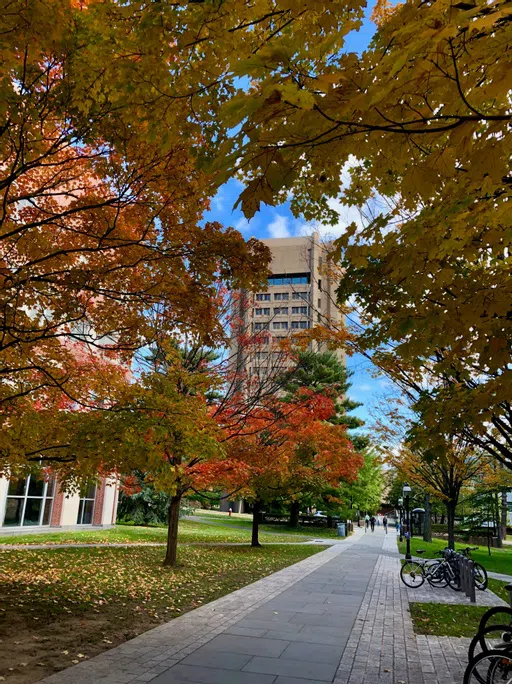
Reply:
x=4, y=486
x=70, y=509
x=109, y=513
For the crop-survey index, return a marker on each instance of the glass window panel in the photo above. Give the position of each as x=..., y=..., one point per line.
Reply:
x=33, y=512
x=88, y=509
x=35, y=486
x=13, y=512
x=90, y=491
x=80, y=512
x=47, y=514
x=17, y=486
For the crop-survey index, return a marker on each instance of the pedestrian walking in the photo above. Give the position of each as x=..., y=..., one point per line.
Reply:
x=378, y=521
x=385, y=523
x=372, y=523
x=366, y=521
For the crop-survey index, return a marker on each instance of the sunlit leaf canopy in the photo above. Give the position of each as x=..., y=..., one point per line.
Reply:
x=422, y=119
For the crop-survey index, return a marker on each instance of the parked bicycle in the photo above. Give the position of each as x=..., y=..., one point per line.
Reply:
x=440, y=573
x=490, y=651
x=479, y=572
x=413, y=573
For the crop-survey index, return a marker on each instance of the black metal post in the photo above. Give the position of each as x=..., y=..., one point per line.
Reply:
x=400, y=526
x=408, y=537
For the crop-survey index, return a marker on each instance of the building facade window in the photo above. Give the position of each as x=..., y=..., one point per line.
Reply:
x=261, y=326
x=264, y=297
x=280, y=325
x=299, y=295
x=281, y=297
x=292, y=279
x=263, y=312
x=299, y=325
x=281, y=310
x=29, y=502
x=86, y=506
x=300, y=310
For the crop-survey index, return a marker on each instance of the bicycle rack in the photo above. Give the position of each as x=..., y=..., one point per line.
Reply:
x=467, y=581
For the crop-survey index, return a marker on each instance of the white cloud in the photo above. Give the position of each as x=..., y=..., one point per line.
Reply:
x=244, y=226
x=364, y=387
x=385, y=382
x=279, y=228
x=218, y=200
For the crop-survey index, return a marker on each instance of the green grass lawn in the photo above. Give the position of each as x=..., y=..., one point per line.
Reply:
x=500, y=560
x=449, y=620
x=62, y=606
x=189, y=532
x=245, y=520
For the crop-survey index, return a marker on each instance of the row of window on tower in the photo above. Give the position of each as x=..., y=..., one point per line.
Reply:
x=289, y=279
x=283, y=325
x=280, y=296
x=280, y=310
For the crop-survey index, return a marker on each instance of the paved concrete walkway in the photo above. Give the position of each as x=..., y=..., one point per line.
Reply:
x=338, y=617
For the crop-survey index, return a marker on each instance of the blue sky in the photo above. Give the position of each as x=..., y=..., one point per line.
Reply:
x=279, y=222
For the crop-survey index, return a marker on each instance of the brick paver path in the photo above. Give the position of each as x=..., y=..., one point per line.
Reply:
x=340, y=616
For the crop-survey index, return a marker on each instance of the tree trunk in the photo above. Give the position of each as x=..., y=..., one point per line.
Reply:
x=294, y=514
x=172, y=531
x=450, y=519
x=329, y=522
x=504, y=515
x=442, y=518
x=256, y=512
x=427, y=530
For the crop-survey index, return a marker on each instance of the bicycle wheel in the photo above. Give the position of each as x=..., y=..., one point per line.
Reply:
x=480, y=576
x=492, y=667
x=499, y=615
x=412, y=575
x=435, y=574
x=491, y=638
x=453, y=577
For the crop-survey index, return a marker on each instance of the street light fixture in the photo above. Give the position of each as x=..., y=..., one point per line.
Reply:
x=400, y=508
x=406, y=491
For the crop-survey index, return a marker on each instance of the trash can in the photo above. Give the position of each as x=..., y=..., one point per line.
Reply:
x=341, y=530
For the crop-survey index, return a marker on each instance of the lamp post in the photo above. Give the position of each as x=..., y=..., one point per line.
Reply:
x=406, y=491
x=400, y=507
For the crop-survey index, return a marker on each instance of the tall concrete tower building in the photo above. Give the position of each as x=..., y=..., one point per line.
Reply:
x=301, y=293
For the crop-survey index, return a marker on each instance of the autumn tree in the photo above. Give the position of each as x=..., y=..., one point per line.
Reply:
x=289, y=446
x=108, y=116
x=323, y=372
x=164, y=426
x=443, y=477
